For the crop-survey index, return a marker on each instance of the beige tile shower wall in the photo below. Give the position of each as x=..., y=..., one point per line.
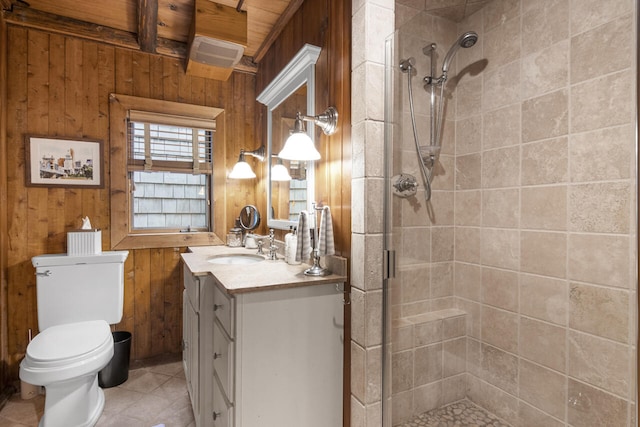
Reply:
x=425, y=230
x=544, y=210
x=428, y=362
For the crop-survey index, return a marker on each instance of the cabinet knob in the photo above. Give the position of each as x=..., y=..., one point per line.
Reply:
x=217, y=355
x=216, y=415
x=217, y=307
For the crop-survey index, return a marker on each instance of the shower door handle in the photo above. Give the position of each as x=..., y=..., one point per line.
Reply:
x=389, y=264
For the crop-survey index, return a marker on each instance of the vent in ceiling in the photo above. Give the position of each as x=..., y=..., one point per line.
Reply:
x=217, y=40
x=215, y=52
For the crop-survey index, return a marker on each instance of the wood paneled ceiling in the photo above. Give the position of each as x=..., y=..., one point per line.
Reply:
x=160, y=26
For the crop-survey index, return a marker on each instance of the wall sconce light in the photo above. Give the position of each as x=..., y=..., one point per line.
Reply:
x=279, y=172
x=299, y=146
x=242, y=169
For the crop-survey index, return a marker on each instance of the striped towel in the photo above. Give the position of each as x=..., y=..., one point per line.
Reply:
x=303, y=250
x=326, y=245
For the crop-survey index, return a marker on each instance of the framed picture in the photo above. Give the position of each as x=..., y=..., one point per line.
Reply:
x=64, y=162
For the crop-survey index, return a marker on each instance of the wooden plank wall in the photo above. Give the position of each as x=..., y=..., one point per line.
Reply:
x=60, y=86
x=3, y=210
x=327, y=24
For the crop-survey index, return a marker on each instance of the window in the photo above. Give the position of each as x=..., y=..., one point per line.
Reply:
x=170, y=168
x=164, y=194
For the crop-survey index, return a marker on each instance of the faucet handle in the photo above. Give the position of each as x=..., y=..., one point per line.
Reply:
x=273, y=249
x=260, y=242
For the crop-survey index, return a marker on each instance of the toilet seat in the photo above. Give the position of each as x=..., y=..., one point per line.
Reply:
x=62, y=344
x=66, y=351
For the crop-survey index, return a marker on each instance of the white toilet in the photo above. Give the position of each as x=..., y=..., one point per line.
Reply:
x=78, y=297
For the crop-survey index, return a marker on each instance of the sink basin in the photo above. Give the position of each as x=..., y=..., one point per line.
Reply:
x=235, y=259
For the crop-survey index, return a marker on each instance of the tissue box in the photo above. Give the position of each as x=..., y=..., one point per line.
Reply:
x=84, y=242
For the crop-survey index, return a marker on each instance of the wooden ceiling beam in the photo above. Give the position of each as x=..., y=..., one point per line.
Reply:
x=31, y=18
x=148, y=25
x=5, y=4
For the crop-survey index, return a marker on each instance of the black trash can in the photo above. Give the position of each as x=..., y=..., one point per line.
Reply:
x=117, y=371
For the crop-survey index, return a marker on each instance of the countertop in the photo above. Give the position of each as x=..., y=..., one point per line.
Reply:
x=263, y=275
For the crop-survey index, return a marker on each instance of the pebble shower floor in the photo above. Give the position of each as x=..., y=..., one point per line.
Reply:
x=462, y=413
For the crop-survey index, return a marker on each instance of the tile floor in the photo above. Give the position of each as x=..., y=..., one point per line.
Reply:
x=155, y=393
x=462, y=413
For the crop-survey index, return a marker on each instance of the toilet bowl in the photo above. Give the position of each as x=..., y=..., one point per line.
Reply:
x=65, y=359
x=78, y=297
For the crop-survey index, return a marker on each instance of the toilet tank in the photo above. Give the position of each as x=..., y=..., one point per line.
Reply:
x=78, y=288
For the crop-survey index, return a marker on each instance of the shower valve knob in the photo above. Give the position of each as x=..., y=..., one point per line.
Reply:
x=404, y=185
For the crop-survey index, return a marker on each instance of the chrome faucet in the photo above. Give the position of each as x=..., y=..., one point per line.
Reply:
x=273, y=249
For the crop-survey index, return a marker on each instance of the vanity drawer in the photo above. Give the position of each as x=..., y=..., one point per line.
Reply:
x=223, y=309
x=223, y=360
x=222, y=414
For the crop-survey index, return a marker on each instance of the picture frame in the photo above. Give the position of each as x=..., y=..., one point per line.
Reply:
x=64, y=162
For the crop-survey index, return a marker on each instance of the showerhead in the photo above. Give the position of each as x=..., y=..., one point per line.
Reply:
x=466, y=40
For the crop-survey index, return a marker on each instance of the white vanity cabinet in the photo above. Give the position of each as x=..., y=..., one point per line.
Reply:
x=197, y=346
x=278, y=357
x=275, y=355
x=190, y=349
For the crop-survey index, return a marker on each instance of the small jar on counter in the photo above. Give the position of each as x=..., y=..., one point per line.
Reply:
x=234, y=237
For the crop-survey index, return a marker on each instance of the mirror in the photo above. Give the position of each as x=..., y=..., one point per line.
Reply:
x=292, y=90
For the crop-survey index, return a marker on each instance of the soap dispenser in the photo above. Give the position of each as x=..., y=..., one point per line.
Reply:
x=287, y=243
x=293, y=248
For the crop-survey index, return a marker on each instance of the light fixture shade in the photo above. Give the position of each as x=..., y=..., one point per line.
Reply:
x=279, y=172
x=299, y=146
x=241, y=170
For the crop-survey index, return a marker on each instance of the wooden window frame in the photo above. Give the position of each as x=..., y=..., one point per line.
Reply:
x=122, y=236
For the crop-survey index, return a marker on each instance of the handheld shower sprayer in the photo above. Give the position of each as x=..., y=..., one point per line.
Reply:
x=427, y=155
x=466, y=40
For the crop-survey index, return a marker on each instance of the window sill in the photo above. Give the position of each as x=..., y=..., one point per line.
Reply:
x=166, y=240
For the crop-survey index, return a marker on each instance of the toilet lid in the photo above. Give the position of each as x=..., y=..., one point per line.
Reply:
x=69, y=340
